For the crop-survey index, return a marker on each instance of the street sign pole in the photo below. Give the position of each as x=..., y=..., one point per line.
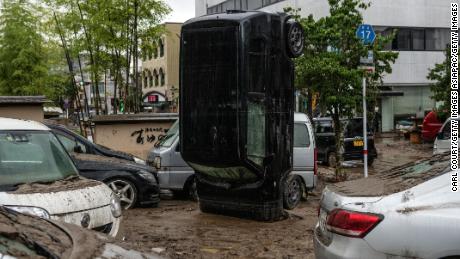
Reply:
x=365, y=127
x=366, y=33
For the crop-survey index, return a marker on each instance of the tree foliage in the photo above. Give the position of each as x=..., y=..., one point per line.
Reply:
x=440, y=75
x=109, y=35
x=331, y=59
x=28, y=64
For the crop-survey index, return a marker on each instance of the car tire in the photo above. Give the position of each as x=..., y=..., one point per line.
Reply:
x=190, y=189
x=331, y=160
x=293, y=192
x=295, y=40
x=125, y=190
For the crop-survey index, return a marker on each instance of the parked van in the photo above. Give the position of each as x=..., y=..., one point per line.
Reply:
x=175, y=174
x=442, y=141
x=38, y=177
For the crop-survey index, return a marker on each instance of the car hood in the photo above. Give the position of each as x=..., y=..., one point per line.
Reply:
x=60, y=197
x=103, y=163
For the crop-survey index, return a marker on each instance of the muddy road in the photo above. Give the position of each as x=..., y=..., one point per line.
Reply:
x=177, y=228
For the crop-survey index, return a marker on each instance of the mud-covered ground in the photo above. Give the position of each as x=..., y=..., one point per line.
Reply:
x=177, y=228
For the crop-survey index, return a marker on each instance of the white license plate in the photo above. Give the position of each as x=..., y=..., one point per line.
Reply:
x=322, y=221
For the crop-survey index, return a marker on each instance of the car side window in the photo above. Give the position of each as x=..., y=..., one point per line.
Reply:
x=324, y=127
x=446, y=131
x=301, y=135
x=70, y=143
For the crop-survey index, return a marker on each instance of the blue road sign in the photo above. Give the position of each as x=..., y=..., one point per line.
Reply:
x=366, y=33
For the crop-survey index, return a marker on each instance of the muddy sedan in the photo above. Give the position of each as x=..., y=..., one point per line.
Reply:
x=407, y=212
x=135, y=184
x=23, y=236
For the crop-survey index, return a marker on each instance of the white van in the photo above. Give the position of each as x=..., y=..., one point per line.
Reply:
x=38, y=177
x=175, y=174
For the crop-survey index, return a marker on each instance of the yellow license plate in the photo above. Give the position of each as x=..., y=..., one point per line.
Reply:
x=358, y=143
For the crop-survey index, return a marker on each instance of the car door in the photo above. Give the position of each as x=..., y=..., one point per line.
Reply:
x=179, y=170
x=303, y=148
x=325, y=140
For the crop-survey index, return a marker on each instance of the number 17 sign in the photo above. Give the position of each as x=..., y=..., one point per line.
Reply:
x=366, y=33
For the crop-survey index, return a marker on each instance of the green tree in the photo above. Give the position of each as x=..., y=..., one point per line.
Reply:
x=440, y=75
x=330, y=64
x=111, y=34
x=22, y=55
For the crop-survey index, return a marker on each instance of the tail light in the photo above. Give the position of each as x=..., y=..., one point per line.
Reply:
x=315, y=162
x=157, y=162
x=351, y=223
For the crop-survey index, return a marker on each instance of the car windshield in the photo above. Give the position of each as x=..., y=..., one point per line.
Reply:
x=170, y=136
x=32, y=156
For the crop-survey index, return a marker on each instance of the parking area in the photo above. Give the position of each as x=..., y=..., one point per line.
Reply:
x=177, y=228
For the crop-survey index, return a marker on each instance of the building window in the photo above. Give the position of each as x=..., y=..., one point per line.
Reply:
x=416, y=39
x=144, y=74
x=150, y=79
x=156, y=77
x=162, y=48
x=162, y=77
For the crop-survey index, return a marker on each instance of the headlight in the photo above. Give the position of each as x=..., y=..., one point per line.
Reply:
x=157, y=162
x=137, y=160
x=115, y=206
x=147, y=176
x=34, y=211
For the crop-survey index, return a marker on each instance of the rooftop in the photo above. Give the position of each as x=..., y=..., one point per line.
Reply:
x=23, y=99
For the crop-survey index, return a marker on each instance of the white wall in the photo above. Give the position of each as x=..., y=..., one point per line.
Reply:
x=411, y=67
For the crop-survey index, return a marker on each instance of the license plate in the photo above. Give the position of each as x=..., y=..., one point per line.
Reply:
x=358, y=143
x=322, y=221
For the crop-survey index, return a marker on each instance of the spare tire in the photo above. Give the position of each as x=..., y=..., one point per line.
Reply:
x=295, y=41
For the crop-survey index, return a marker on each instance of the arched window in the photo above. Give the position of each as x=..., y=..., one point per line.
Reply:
x=145, y=76
x=149, y=54
x=162, y=48
x=155, y=51
x=150, y=79
x=156, y=77
x=162, y=77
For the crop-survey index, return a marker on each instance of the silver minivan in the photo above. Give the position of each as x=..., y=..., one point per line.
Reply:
x=175, y=174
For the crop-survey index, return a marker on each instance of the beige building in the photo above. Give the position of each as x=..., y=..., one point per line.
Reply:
x=160, y=72
x=22, y=107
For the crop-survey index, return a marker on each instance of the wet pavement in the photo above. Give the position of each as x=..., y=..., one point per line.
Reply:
x=177, y=228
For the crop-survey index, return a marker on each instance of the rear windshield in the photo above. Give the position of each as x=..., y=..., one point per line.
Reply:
x=32, y=156
x=301, y=135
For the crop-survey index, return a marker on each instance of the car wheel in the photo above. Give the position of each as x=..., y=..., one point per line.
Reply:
x=293, y=191
x=191, y=190
x=294, y=39
x=331, y=160
x=125, y=190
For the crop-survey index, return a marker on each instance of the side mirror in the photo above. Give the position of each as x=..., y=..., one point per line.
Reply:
x=77, y=149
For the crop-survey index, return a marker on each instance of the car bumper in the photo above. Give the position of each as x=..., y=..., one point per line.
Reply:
x=358, y=155
x=309, y=178
x=344, y=247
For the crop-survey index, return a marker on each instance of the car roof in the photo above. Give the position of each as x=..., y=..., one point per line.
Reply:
x=15, y=124
x=298, y=116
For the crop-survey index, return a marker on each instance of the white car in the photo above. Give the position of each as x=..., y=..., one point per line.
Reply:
x=408, y=212
x=38, y=177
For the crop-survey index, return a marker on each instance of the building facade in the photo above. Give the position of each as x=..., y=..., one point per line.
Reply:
x=160, y=72
x=423, y=34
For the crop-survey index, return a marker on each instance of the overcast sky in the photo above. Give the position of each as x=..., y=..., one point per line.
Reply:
x=182, y=10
